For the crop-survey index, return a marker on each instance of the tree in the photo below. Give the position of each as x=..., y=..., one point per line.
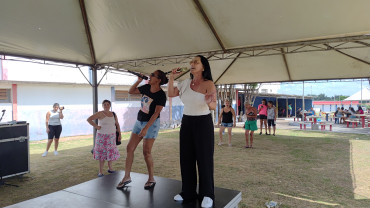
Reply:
x=322, y=96
x=251, y=91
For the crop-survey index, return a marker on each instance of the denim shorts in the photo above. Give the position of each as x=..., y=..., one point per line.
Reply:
x=152, y=132
x=226, y=124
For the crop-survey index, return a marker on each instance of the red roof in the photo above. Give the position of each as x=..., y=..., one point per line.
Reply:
x=335, y=102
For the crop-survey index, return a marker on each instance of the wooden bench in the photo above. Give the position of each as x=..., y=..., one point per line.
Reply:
x=353, y=121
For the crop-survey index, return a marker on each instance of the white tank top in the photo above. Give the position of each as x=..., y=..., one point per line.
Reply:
x=194, y=102
x=54, y=119
x=108, y=125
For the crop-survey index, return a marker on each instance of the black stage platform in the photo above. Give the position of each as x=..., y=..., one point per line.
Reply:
x=102, y=192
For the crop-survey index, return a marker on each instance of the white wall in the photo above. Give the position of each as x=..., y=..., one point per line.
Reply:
x=34, y=101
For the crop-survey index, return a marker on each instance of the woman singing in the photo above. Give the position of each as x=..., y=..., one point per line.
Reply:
x=147, y=125
x=197, y=132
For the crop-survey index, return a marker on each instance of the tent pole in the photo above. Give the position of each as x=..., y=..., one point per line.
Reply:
x=286, y=107
x=94, y=81
x=361, y=94
x=295, y=106
x=303, y=106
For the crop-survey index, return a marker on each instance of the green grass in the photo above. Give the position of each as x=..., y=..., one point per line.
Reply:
x=290, y=168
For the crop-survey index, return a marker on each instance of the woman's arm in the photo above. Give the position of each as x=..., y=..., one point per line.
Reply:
x=220, y=116
x=61, y=116
x=254, y=113
x=157, y=111
x=234, y=116
x=211, y=95
x=276, y=113
x=172, y=91
x=118, y=128
x=91, y=119
x=133, y=89
x=47, y=121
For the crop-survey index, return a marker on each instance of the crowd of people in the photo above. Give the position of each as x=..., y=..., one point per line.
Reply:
x=342, y=114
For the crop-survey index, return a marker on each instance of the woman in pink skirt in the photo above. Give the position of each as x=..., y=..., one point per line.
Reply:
x=105, y=141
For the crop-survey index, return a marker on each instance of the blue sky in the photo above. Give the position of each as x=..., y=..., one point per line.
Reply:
x=329, y=88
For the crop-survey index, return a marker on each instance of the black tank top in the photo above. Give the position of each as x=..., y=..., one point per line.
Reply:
x=227, y=117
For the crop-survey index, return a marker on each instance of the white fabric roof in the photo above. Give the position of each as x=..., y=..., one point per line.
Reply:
x=357, y=95
x=146, y=35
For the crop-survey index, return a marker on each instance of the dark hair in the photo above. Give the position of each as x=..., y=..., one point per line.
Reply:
x=270, y=102
x=359, y=108
x=106, y=101
x=265, y=101
x=342, y=108
x=162, y=77
x=206, y=74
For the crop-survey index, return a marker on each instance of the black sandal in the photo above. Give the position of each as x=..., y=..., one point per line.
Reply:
x=123, y=184
x=150, y=185
x=261, y=133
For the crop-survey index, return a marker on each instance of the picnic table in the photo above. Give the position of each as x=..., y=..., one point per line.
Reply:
x=314, y=118
x=305, y=113
x=362, y=116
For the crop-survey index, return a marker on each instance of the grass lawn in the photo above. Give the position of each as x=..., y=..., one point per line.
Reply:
x=294, y=168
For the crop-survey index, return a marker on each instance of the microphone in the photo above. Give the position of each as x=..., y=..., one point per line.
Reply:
x=139, y=75
x=2, y=115
x=179, y=70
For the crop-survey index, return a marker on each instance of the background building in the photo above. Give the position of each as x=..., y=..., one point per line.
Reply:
x=29, y=90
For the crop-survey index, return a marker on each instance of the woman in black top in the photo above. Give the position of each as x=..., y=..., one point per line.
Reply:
x=226, y=118
x=147, y=125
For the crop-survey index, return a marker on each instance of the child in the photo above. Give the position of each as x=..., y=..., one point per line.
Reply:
x=271, y=116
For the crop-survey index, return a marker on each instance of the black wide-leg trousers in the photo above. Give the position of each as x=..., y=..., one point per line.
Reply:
x=196, y=149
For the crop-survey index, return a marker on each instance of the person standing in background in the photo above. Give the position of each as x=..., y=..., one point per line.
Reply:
x=53, y=127
x=262, y=111
x=271, y=116
x=105, y=142
x=250, y=124
x=289, y=110
x=227, y=119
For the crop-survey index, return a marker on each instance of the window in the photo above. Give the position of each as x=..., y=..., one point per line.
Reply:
x=123, y=95
x=264, y=90
x=5, y=96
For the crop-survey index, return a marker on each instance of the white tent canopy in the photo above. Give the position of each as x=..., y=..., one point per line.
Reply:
x=357, y=96
x=246, y=41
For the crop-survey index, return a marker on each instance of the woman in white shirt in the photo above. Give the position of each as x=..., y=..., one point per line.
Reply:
x=197, y=131
x=53, y=127
x=105, y=141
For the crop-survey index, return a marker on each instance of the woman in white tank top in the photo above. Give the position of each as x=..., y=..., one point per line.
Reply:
x=105, y=141
x=53, y=127
x=197, y=131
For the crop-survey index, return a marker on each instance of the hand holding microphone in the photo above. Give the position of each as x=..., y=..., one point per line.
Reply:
x=176, y=71
x=139, y=75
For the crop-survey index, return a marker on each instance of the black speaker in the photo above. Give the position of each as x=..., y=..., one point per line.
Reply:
x=14, y=150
